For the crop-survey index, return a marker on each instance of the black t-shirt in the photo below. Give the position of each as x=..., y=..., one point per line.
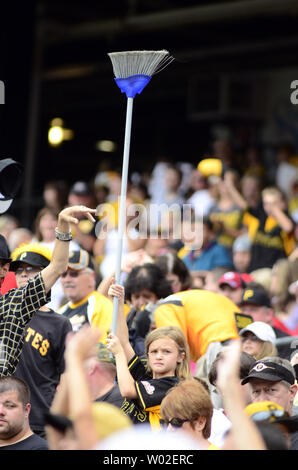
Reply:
x=42, y=361
x=150, y=391
x=269, y=242
x=113, y=397
x=33, y=442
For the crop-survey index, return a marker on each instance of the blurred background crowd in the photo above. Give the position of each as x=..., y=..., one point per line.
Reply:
x=234, y=197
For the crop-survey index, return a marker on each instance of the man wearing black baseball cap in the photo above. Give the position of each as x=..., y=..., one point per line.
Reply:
x=256, y=303
x=273, y=379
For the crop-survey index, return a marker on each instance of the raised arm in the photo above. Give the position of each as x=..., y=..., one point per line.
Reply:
x=125, y=380
x=283, y=220
x=245, y=433
x=237, y=197
x=79, y=348
x=59, y=261
x=104, y=285
x=60, y=406
x=116, y=290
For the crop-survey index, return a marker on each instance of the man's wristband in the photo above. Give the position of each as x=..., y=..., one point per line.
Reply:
x=64, y=237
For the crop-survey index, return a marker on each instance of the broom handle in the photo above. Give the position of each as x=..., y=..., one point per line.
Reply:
x=122, y=207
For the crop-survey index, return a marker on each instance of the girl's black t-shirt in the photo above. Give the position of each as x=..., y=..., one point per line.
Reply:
x=150, y=391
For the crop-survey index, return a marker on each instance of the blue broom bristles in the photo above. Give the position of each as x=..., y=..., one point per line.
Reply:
x=134, y=69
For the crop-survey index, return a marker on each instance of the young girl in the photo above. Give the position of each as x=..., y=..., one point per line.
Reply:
x=143, y=382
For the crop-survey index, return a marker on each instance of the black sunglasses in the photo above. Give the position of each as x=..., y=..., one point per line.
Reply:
x=174, y=422
x=249, y=337
x=28, y=269
x=71, y=273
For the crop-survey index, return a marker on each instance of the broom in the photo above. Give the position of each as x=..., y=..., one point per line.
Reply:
x=133, y=71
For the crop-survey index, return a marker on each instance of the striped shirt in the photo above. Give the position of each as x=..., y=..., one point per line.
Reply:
x=17, y=307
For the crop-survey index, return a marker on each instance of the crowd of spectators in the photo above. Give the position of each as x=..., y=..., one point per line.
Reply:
x=209, y=250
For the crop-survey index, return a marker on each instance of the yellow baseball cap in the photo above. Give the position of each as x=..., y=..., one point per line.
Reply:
x=210, y=166
x=273, y=413
x=263, y=406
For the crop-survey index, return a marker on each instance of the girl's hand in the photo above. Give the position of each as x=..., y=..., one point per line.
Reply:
x=116, y=290
x=113, y=344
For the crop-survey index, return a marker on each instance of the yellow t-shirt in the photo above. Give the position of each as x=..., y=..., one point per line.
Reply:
x=203, y=316
x=95, y=309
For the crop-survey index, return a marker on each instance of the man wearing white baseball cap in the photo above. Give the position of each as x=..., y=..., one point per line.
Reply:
x=258, y=340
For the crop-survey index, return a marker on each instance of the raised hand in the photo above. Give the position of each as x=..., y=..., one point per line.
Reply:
x=68, y=214
x=113, y=344
x=116, y=290
x=228, y=367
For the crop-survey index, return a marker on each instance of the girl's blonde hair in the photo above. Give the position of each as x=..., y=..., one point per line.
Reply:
x=176, y=334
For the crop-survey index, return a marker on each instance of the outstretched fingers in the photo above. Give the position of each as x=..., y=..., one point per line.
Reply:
x=68, y=214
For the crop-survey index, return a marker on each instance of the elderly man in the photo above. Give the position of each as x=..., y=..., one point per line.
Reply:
x=18, y=306
x=85, y=304
x=273, y=379
x=101, y=375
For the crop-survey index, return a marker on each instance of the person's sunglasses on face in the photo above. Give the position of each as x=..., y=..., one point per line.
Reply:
x=174, y=422
x=72, y=273
x=27, y=269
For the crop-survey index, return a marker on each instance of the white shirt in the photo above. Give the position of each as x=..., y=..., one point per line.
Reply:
x=220, y=424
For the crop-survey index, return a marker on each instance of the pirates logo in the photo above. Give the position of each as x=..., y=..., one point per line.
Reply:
x=247, y=294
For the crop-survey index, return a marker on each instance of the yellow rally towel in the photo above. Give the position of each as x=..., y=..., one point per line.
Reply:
x=154, y=417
